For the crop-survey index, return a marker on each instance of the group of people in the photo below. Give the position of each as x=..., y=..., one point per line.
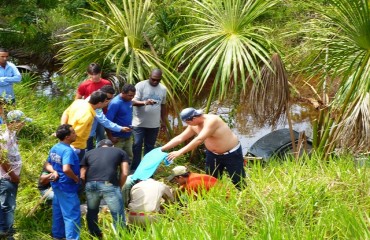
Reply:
x=130, y=119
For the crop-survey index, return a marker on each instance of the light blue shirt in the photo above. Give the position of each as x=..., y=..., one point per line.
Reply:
x=103, y=120
x=8, y=76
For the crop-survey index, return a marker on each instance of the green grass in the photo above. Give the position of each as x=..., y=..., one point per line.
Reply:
x=304, y=199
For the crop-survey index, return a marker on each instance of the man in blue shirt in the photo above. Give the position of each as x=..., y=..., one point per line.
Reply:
x=64, y=165
x=120, y=112
x=9, y=75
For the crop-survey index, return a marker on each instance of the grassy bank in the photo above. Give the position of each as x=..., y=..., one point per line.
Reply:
x=305, y=199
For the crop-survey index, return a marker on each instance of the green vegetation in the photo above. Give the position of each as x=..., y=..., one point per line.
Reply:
x=304, y=199
x=213, y=49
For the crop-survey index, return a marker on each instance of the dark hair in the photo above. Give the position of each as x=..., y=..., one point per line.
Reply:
x=63, y=131
x=108, y=89
x=3, y=49
x=128, y=88
x=97, y=97
x=156, y=71
x=93, y=68
x=185, y=175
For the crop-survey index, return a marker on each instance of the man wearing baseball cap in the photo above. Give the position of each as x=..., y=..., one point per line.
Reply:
x=224, y=150
x=191, y=182
x=10, y=168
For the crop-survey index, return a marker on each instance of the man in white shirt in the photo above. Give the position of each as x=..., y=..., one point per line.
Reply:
x=145, y=201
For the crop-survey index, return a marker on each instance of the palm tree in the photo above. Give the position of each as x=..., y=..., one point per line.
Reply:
x=343, y=33
x=222, y=45
x=116, y=36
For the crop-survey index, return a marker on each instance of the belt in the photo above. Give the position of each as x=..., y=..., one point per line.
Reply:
x=141, y=213
x=230, y=151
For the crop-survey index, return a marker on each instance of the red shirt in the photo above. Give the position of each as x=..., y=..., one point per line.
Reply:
x=87, y=87
x=198, y=181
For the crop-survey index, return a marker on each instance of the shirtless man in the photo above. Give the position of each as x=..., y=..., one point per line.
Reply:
x=224, y=150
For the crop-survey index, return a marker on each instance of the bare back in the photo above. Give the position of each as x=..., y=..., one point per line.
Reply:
x=219, y=138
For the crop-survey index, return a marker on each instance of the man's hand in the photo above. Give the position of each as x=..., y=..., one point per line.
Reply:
x=125, y=129
x=172, y=155
x=14, y=178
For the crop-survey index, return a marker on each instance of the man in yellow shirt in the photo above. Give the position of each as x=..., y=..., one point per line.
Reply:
x=81, y=116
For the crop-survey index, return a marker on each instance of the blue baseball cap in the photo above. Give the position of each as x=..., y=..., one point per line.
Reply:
x=189, y=113
x=17, y=115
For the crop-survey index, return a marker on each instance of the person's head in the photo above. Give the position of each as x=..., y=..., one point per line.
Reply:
x=109, y=90
x=16, y=119
x=4, y=55
x=180, y=175
x=104, y=143
x=155, y=77
x=65, y=132
x=188, y=114
x=94, y=72
x=98, y=99
x=128, y=92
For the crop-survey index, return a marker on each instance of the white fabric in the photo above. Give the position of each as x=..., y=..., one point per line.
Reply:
x=146, y=196
x=8, y=141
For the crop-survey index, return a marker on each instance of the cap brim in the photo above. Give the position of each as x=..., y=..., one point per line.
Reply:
x=170, y=178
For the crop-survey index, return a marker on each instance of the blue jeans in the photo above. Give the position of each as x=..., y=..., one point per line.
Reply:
x=233, y=162
x=8, y=194
x=99, y=133
x=95, y=191
x=66, y=215
x=148, y=136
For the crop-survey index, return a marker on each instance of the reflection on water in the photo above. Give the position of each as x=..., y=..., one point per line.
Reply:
x=249, y=132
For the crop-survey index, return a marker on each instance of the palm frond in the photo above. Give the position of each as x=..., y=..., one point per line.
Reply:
x=221, y=44
x=115, y=38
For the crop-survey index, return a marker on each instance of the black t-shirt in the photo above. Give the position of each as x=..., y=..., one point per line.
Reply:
x=102, y=164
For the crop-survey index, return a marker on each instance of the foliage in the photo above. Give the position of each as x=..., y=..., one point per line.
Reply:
x=118, y=40
x=342, y=52
x=222, y=43
x=30, y=28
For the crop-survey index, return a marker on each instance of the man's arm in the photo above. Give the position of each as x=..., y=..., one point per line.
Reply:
x=16, y=75
x=124, y=174
x=8, y=169
x=50, y=168
x=69, y=172
x=186, y=134
x=208, y=129
x=103, y=120
x=83, y=173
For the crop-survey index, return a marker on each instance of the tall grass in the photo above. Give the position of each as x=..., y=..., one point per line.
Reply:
x=304, y=199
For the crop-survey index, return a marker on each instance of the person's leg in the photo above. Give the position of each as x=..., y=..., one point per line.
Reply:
x=234, y=163
x=127, y=147
x=150, y=137
x=212, y=165
x=70, y=207
x=126, y=144
x=100, y=133
x=8, y=194
x=113, y=197
x=58, y=228
x=90, y=143
x=137, y=147
x=93, y=202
